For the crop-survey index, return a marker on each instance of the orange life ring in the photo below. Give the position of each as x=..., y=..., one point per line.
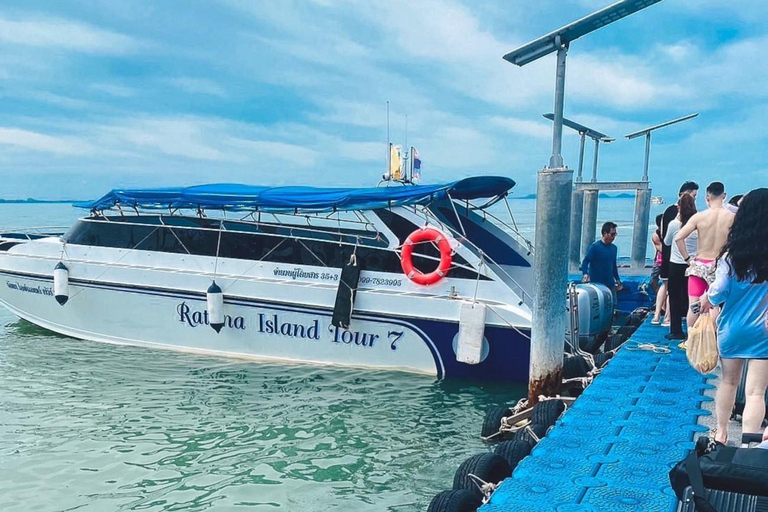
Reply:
x=426, y=235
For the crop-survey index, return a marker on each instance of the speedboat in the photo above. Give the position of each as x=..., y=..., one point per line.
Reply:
x=420, y=278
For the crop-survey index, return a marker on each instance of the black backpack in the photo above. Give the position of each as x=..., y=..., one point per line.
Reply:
x=719, y=467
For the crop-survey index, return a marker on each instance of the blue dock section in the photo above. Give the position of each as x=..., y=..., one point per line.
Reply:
x=612, y=450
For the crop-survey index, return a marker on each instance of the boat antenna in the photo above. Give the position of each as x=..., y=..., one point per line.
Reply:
x=407, y=153
x=389, y=150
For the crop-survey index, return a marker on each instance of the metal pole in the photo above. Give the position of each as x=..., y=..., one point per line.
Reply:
x=594, y=162
x=550, y=267
x=556, y=160
x=581, y=157
x=550, y=273
x=577, y=214
x=647, y=155
x=590, y=220
x=640, y=233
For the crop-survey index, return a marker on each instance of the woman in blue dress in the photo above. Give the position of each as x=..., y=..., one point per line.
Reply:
x=741, y=289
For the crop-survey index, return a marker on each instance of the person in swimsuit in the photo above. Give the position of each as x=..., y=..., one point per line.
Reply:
x=741, y=288
x=713, y=225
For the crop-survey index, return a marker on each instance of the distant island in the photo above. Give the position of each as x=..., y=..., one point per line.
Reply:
x=31, y=200
x=602, y=195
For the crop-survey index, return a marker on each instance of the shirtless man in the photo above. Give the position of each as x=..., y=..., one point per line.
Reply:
x=713, y=225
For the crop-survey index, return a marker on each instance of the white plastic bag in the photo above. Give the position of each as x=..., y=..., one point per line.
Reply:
x=701, y=347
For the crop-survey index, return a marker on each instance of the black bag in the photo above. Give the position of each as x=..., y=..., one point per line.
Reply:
x=345, y=294
x=718, y=467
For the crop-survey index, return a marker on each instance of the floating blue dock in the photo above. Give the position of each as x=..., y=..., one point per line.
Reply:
x=612, y=449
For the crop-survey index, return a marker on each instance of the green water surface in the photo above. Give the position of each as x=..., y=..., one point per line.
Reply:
x=94, y=427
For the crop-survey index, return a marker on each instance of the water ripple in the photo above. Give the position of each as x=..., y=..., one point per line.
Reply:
x=92, y=427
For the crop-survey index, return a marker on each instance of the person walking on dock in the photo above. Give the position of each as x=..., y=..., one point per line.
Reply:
x=713, y=225
x=678, y=281
x=599, y=265
x=741, y=287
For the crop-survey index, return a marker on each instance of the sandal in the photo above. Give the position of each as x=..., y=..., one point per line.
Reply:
x=655, y=321
x=713, y=436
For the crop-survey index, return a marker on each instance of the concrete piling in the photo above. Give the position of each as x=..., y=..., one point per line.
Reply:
x=577, y=217
x=590, y=220
x=553, y=200
x=642, y=218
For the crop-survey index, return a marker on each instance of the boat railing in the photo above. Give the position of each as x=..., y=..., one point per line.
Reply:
x=366, y=234
x=344, y=239
x=525, y=297
x=511, y=230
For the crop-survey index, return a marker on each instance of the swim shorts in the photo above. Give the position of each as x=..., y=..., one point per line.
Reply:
x=701, y=273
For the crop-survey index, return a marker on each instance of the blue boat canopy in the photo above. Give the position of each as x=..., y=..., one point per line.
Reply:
x=232, y=196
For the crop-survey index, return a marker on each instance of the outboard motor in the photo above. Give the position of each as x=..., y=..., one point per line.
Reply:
x=595, y=303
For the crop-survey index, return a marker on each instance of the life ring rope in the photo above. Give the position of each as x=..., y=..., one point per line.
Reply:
x=435, y=237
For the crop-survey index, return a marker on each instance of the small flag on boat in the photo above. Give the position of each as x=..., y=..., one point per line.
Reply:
x=416, y=172
x=394, y=162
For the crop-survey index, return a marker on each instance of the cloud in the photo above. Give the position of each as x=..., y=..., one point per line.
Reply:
x=525, y=127
x=114, y=90
x=197, y=86
x=33, y=141
x=182, y=137
x=622, y=82
x=68, y=35
x=265, y=150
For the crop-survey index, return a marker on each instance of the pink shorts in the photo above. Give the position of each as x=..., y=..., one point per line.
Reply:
x=696, y=285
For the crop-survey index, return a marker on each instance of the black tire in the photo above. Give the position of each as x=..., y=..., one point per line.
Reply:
x=602, y=358
x=493, y=417
x=488, y=467
x=575, y=366
x=546, y=412
x=455, y=500
x=613, y=342
x=513, y=451
x=525, y=435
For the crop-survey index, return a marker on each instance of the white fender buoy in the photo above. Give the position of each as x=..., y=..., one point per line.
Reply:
x=471, y=332
x=215, y=299
x=61, y=283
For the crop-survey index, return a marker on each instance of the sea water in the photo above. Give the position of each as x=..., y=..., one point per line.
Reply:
x=94, y=427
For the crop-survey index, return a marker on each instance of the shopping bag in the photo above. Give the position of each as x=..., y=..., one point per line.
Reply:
x=701, y=347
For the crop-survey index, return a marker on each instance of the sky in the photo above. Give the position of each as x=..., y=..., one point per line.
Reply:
x=96, y=95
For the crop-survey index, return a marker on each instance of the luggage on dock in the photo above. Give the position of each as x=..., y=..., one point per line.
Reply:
x=721, y=479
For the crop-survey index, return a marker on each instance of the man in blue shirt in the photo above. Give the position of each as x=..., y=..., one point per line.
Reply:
x=599, y=265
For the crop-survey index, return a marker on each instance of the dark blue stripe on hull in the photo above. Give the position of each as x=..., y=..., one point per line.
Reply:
x=509, y=349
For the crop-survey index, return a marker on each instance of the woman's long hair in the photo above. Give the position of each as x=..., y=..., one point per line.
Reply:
x=686, y=207
x=747, y=244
